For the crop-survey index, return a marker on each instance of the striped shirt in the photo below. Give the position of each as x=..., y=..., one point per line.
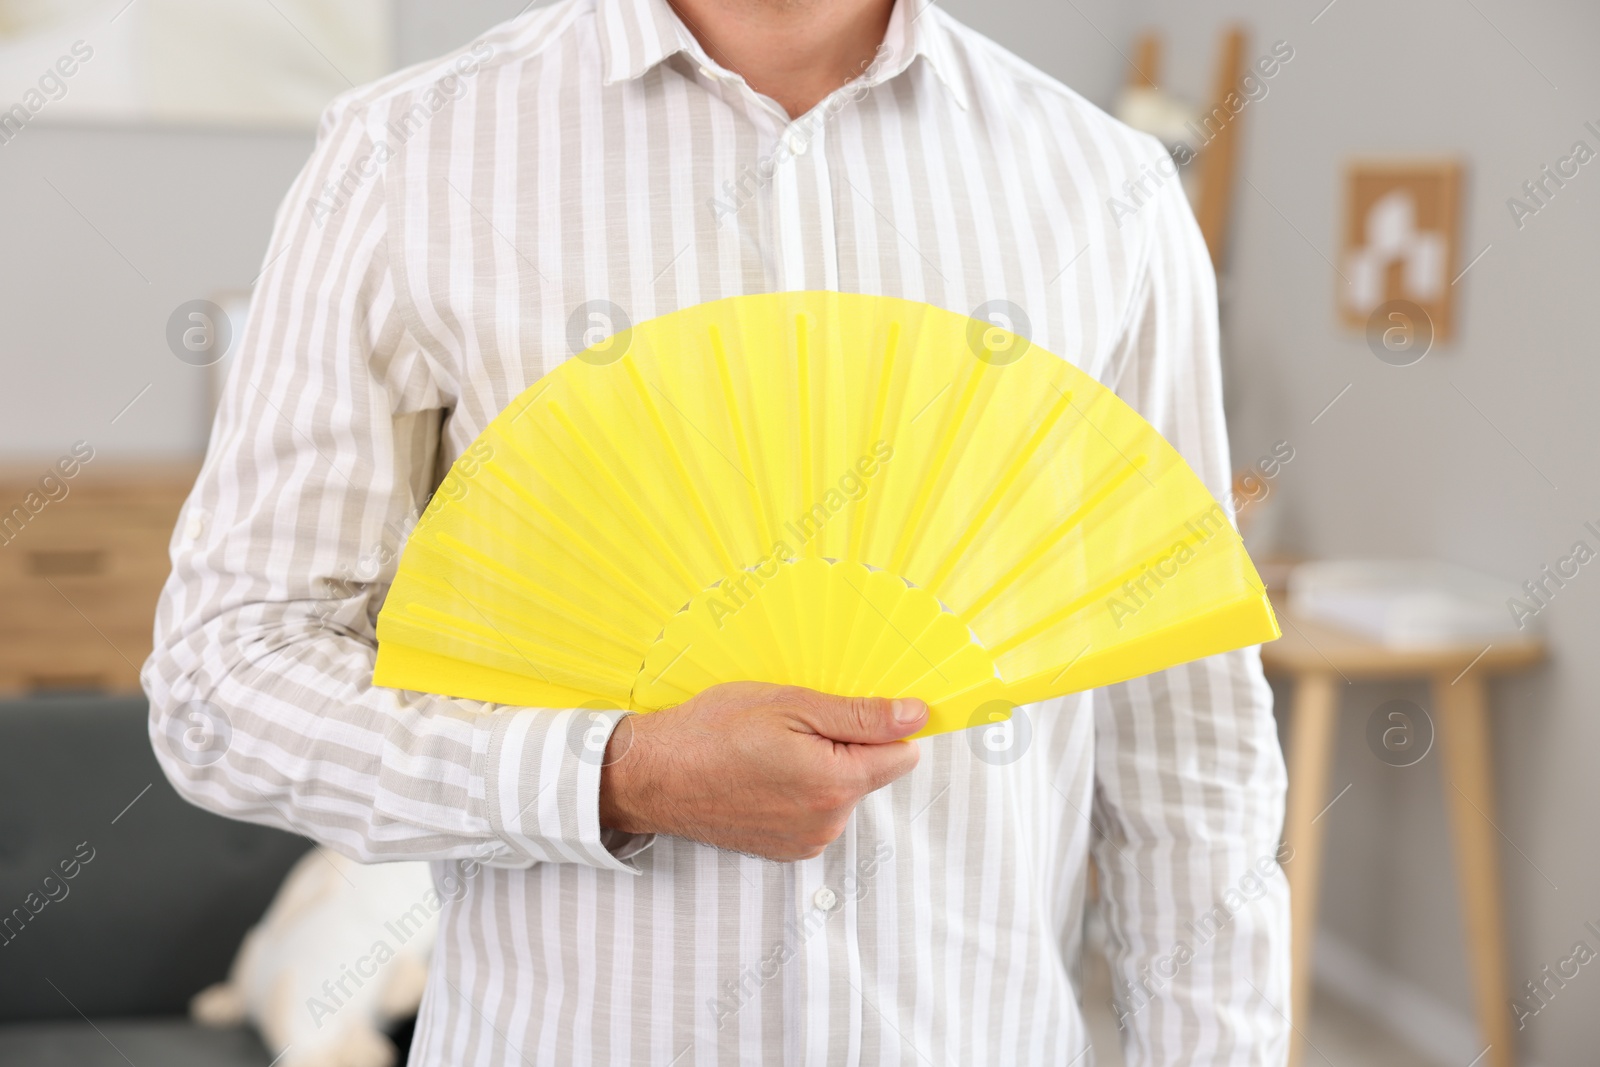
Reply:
x=450, y=238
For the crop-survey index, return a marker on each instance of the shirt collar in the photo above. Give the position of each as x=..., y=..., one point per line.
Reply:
x=637, y=35
x=916, y=32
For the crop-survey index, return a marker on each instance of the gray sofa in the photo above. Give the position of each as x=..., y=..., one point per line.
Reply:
x=102, y=971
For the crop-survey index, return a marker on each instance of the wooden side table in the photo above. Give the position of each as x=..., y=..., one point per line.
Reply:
x=1320, y=658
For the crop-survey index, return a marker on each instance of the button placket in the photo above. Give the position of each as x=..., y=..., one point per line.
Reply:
x=803, y=209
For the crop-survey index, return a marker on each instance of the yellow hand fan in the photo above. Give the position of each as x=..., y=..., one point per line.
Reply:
x=858, y=494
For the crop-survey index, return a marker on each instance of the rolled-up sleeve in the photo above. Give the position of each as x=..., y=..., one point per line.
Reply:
x=324, y=451
x=1189, y=775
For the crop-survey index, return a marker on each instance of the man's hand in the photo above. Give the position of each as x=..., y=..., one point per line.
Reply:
x=765, y=769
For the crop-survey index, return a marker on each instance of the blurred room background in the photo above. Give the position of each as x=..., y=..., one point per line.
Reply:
x=128, y=197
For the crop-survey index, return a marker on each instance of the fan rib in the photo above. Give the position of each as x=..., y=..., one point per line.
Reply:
x=1049, y=541
x=621, y=501
x=600, y=564
x=808, y=475
x=577, y=668
x=1144, y=561
x=471, y=558
x=830, y=641
x=852, y=663
x=1003, y=486
x=730, y=401
x=484, y=631
x=935, y=470
x=675, y=457
x=912, y=650
x=880, y=407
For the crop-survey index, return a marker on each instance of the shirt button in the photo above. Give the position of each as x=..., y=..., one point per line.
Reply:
x=797, y=142
x=195, y=526
x=825, y=899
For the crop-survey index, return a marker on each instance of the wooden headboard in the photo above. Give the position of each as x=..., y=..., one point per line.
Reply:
x=79, y=576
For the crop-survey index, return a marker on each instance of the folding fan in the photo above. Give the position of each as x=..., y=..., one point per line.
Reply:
x=858, y=494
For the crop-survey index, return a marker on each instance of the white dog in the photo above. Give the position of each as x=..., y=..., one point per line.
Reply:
x=340, y=955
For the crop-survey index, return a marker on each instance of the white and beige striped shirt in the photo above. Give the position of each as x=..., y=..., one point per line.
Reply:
x=458, y=226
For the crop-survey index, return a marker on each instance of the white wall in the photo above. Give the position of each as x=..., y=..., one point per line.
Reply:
x=139, y=221
x=1403, y=465
x=105, y=233
x=1082, y=43
x=432, y=27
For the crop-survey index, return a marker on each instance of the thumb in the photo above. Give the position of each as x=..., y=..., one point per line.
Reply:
x=863, y=720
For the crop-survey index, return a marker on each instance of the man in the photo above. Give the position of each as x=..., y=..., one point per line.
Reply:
x=762, y=874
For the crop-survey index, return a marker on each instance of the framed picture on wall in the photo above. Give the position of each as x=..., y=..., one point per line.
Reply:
x=1401, y=240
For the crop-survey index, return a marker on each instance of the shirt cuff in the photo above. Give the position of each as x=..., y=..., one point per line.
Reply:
x=543, y=787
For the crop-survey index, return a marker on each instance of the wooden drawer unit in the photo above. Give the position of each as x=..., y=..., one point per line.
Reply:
x=80, y=578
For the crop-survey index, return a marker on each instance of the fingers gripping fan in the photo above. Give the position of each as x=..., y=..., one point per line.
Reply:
x=858, y=494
